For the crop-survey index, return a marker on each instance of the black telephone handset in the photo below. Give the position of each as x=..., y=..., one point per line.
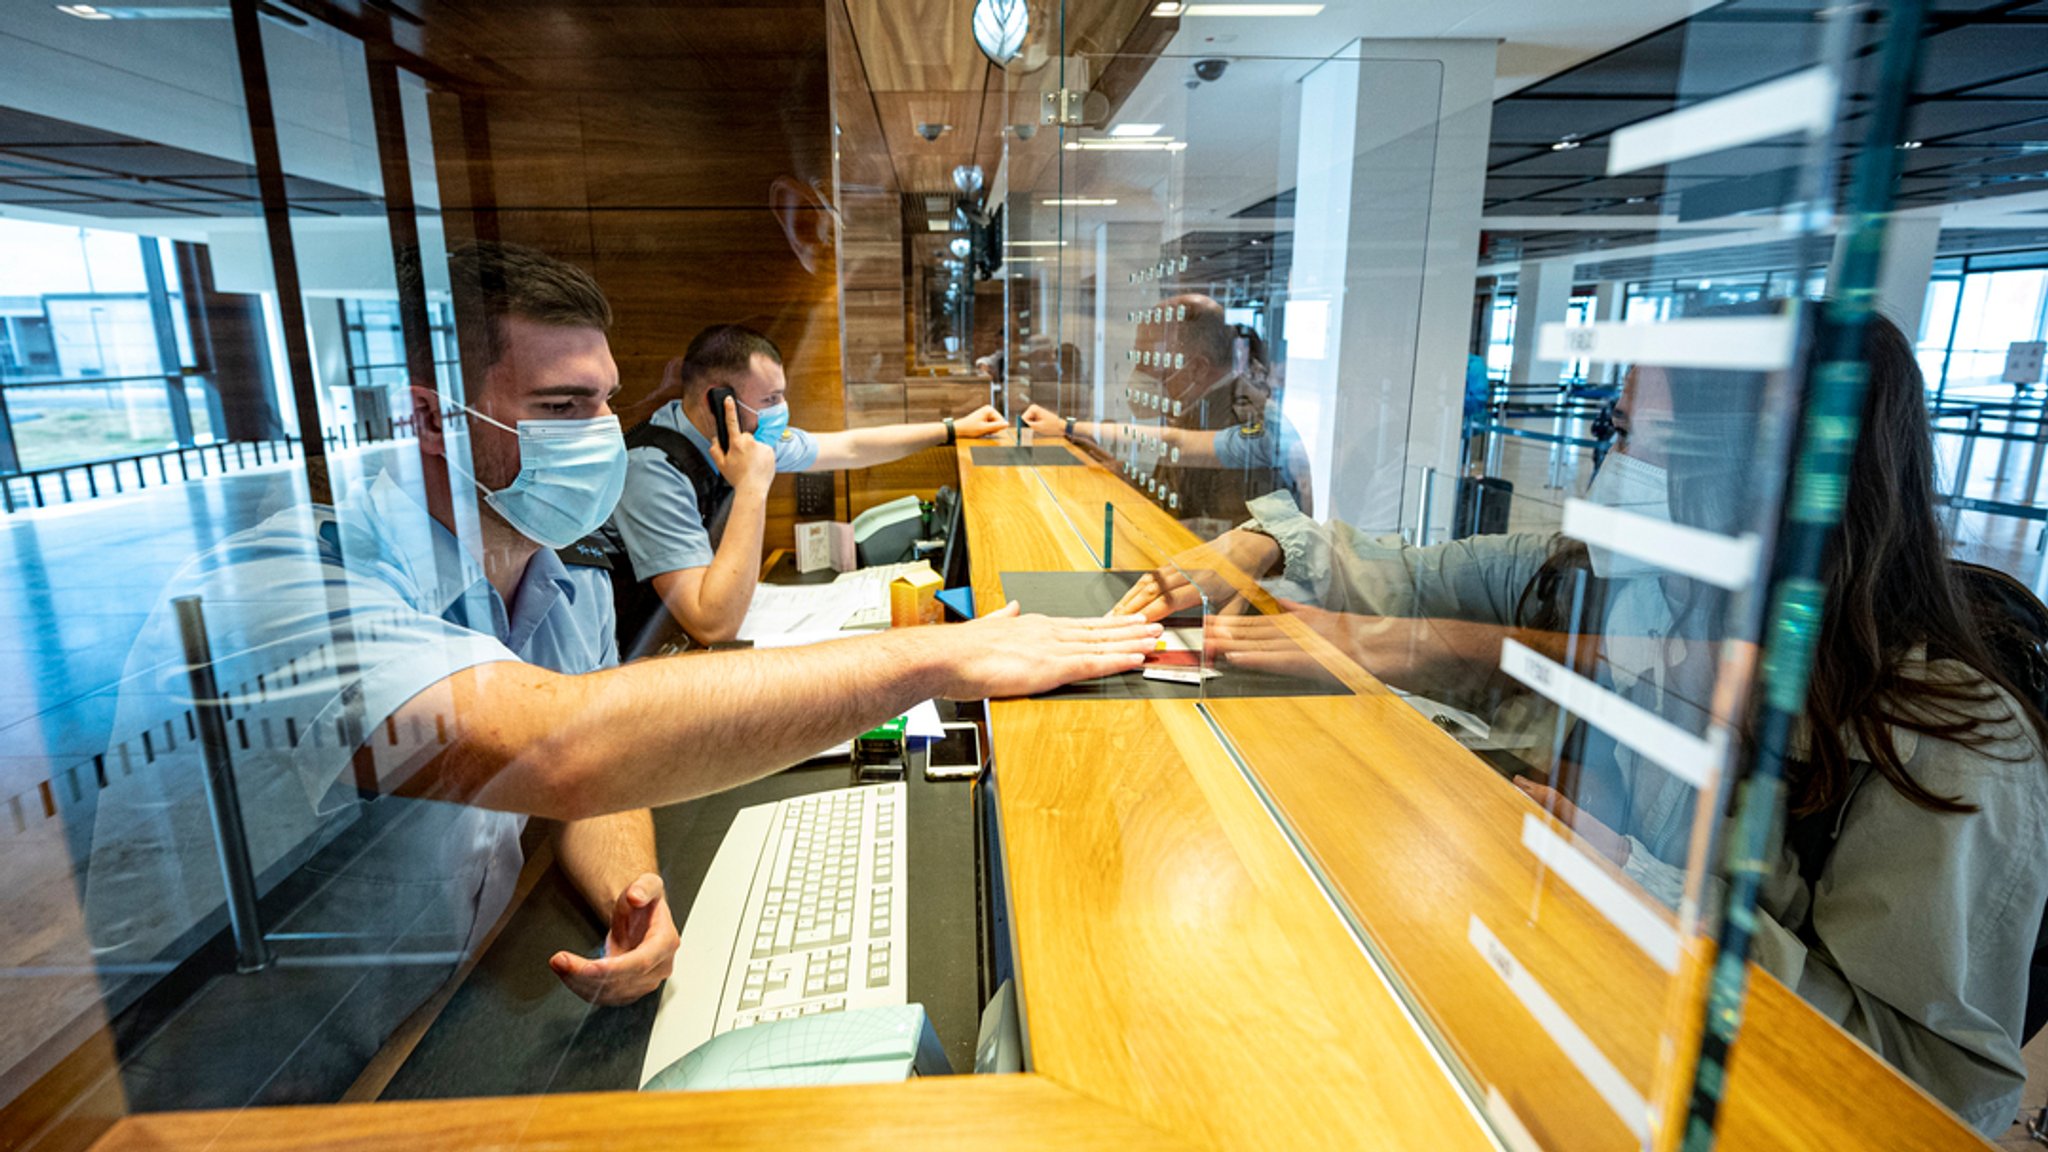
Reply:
x=717, y=400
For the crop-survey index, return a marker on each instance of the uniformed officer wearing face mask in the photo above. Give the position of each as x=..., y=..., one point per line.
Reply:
x=413, y=671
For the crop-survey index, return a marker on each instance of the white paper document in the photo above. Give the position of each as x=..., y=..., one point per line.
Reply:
x=924, y=721
x=780, y=609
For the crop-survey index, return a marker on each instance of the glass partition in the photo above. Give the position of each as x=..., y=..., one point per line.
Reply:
x=1523, y=613
x=1476, y=444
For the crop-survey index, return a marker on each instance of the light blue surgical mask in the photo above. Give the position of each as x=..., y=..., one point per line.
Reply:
x=770, y=422
x=571, y=473
x=1632, y=485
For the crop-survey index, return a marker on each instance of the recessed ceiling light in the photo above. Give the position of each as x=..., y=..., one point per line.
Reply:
x=83, y=11
x=1136, y=129
x=1251, y=9
x=1127, y=144
x=1167, y=8
x=1910, y=145
x=1036, y=244
x=1564, y=145
x=1078, y=202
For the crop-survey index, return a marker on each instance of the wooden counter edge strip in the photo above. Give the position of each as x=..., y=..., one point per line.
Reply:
x=984, y=1112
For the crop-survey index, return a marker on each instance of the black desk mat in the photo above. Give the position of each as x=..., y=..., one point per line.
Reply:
x=513, y=1029
x=1033, y=455
x=1094, y=594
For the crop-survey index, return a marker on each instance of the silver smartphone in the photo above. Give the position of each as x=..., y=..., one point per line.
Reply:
x=956, y=755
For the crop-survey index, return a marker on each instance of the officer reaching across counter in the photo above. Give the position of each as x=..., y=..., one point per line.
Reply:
x=413, y=672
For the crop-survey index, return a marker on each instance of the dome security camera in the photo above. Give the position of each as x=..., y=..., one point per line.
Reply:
x=931, y=132
x=1211, y=69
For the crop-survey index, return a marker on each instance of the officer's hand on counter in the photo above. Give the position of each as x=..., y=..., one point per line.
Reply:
x=639, y=950
x=1006, y=653
x=1044, y=421
x=983, y=421
x=1203, y=570
x=749, y=465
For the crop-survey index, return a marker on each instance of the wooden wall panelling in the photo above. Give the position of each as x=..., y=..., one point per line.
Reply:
x=641, y=141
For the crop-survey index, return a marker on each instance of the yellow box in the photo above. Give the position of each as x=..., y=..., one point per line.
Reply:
x=914, y=598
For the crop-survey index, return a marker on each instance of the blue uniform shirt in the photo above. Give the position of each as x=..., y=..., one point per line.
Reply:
x=658, y=517
x=406, y=887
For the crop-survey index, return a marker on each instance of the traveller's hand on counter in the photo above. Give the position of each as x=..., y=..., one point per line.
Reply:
x=1257, y=643
x=639, y=950
x=1006, y=653
x=1181, y=585
x=1044, y=421
x=983, y=421
x=1597, y=836
x=749, y=465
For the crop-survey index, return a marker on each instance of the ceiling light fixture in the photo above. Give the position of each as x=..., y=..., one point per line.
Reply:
x=1036, y=244
x=1000, y=27
x=1127, y=144
x=1910, y=145
x=1168, y=8
x=1251, y=9
x=83, y=12
x=1079, y=202
x=1136, y=129
x=1566, y=144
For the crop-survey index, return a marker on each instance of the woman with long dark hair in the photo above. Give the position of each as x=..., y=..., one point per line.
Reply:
x=1907, y=896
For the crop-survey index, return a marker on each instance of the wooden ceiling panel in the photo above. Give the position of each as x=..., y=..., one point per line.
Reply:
x=917, y=45
x=922, y=165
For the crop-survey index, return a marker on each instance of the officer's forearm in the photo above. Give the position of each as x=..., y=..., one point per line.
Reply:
x=666, y=730
x=727, y=587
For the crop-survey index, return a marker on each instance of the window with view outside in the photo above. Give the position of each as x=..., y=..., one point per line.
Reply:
x=86, y=373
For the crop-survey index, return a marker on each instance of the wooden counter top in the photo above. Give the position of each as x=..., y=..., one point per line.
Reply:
x=1416, y=837
x=982, y=1112
x=1186, y=981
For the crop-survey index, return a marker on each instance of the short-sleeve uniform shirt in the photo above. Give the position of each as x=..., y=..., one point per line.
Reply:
x=658, y=517
x=323, y=623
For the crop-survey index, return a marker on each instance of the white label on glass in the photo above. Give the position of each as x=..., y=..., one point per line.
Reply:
x=1801, y=102
x=1507, y=1125
x=1745, y=343
x=1608, y=896
x=1565, y=1032
x=1724, y=561
x=1686, y=756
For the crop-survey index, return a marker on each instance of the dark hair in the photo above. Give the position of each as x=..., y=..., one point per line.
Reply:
x=724, y=350
x=1890, y=588
x=491, y=281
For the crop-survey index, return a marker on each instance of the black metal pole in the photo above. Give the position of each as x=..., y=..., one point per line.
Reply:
x=230, y=839
x=284, y=265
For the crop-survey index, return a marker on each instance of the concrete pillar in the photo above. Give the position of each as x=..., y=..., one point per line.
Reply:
x=1390, y=176
x=1909, y=249
x=1609, y=298
x=1543, y=294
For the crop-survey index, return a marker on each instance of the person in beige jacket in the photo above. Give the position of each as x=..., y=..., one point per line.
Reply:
x=1916, y=787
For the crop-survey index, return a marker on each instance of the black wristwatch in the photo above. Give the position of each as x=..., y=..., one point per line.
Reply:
x=951, y=436
x=1070, y=427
